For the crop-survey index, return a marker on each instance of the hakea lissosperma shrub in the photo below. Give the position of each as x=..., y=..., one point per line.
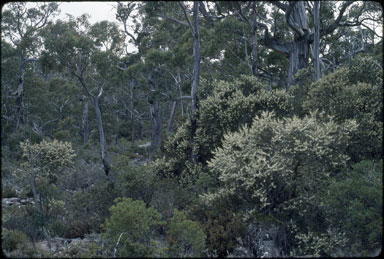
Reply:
x=279, y=163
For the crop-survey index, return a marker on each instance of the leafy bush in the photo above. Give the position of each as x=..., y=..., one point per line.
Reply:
x=12, y=239
x=92, y=204
x=136, y=182
x=132, y=226
x=25, y=219
x=277, y=167
x=8, y=192
x=222, y=226
x=185, y=237
x=231, y=105
x=275, y=162
x=76, y=228
x=16, y=244
x=353, y=92
x=354, y=207
x=49, y=158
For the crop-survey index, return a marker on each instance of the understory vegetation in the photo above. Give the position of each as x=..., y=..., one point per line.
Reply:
x=105, y=155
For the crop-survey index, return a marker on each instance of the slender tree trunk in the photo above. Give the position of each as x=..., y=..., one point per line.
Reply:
x=154, y=110
x=171, y=119
x=104, y=158
x=19, y=97
x=140, y=129
x=254, y=42
x=85, y=124
x=34, y=193
x=156, y=125
x=196, y=75
x=133, y=86
x=117, y=125
x=316, y=39
x=180, y=92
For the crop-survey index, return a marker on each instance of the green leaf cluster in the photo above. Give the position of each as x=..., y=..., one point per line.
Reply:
x=133, y=230
x=353, y=92
x=279, y=164
x=49, y=158
x=135, y=224
x=225, y=109
x=185, y=237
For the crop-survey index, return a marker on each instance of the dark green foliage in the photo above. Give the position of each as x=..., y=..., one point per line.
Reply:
x=353, y=92
x=76, y=229
x=354, y=206
x=25, y=219
x=226, y=109
x=8, y=192
x=136, y=182
x=304, y=161
x=221, y=225
x=92, y=204
x=135, y=225
x=185, y=237
x=15, y=243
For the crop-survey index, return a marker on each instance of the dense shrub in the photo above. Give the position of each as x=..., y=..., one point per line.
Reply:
x=185, y=237
x=353, y=92
x=16, y=244
x=92, y=204
x=274, y=161
x=226, y=109
x=354, y=207
x=76, y=228
x=25, y=219
x=276, y=167
x=48, y=158
x=133, y=226
x=136, y=182
x=8, y=192
x=222, y=226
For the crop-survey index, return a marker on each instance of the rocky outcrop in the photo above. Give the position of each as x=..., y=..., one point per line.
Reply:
x=15, y=201
x=262, y=240
x=62, y=247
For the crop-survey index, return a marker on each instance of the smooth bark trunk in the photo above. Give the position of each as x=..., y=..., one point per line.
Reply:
x=103, y=147
x=154, y=111
x=196, y=75
x=85, y=123
x=19, y=96
x=254, y=42
x=156, y=125
x=117, y=126
x=133, y=86
x=171, y=119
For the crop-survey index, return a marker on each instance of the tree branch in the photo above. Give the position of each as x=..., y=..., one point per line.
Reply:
x=186, y=17
x=332, y=27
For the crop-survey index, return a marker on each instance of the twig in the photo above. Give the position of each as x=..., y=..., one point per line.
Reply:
x=117, y=244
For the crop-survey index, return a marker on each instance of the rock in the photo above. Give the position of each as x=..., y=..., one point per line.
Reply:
x=16, y=201
x=239, y=252
x=264, y=240
x=48, y=247
x=10, y=201
x=146, y=145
